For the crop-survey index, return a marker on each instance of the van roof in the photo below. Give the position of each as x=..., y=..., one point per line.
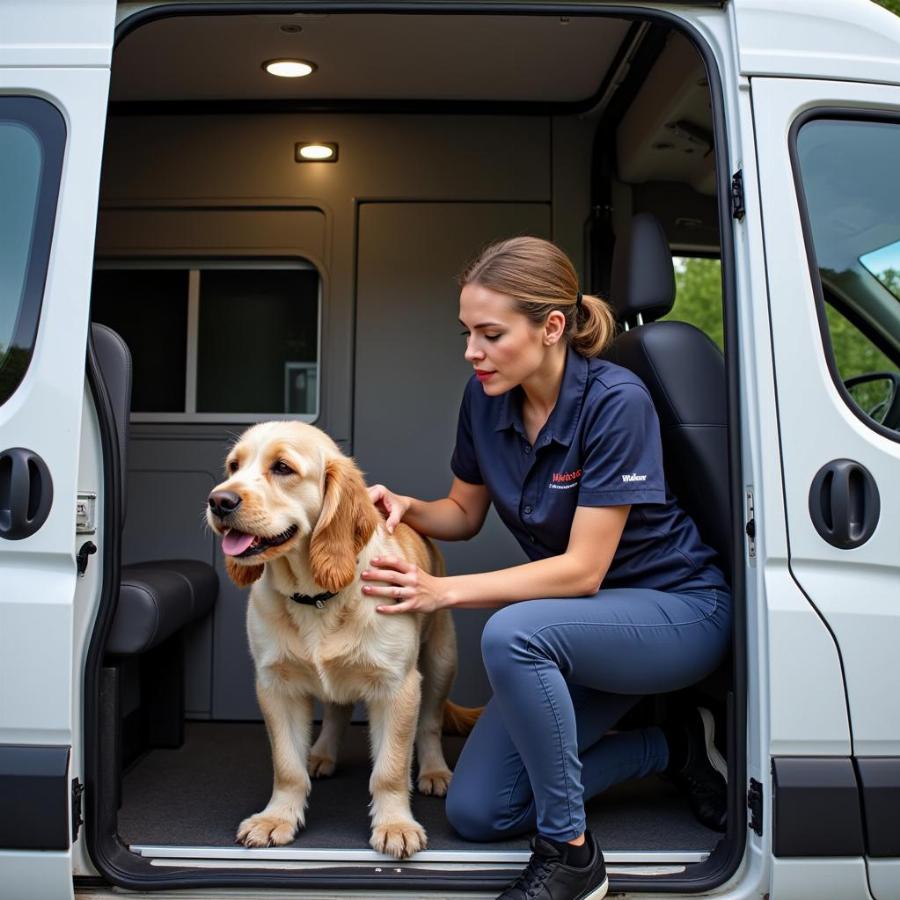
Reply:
x=848, y=40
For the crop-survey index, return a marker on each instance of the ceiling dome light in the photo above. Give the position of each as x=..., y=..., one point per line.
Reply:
x=315, y=152
x=289, y=68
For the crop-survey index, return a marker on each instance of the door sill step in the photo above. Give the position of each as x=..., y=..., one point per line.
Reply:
x=655, y=862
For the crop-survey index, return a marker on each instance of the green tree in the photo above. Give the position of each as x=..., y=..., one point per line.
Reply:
x=12, y=369
x=698, y=295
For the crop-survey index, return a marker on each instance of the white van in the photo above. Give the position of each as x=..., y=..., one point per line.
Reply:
x=174, y=268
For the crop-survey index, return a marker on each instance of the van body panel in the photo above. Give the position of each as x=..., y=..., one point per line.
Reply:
x=807, y=706
x=884, y=877
x=55, y=34
x=815, y=878
x=798, y=710
x=855, y=590
x=62, y=54
x=811, y=39
x=39, y=571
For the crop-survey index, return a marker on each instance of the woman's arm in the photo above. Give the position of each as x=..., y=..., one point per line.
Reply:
x=578, y=572
x=457, y=517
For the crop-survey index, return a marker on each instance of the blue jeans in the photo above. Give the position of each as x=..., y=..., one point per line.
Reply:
x=564, y=671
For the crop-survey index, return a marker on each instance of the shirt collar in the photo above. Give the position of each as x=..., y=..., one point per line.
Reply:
x=563, y=419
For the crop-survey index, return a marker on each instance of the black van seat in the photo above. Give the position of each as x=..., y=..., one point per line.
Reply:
x=685, y=373
x=157, y=599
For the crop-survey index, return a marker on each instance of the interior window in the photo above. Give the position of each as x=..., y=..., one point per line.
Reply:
x=148, y=309
x=219, y=341
x=257, y=346
x=698, y=295
x=852, y=197
x=31, y=138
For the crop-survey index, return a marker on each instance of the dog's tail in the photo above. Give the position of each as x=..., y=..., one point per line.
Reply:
x=460, y=719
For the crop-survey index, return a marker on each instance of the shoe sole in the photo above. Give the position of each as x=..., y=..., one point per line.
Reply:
x=597, y=893
x=716, y=760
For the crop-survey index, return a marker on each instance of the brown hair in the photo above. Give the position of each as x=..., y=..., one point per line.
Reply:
x=541, y=278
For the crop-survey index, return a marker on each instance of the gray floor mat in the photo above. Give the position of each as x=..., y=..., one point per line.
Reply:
x=197, y=795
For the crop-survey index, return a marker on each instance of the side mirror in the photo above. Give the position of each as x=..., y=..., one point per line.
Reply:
x=877, y=394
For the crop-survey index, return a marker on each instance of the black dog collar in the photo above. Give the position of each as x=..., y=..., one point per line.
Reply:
x=318, y=601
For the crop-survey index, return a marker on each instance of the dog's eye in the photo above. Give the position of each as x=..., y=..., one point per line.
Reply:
x=282, y=468
x=233, y=466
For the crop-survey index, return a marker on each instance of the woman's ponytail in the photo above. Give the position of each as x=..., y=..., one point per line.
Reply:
x=594, y=326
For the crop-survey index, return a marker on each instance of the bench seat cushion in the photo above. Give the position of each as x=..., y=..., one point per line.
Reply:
x=156, y=599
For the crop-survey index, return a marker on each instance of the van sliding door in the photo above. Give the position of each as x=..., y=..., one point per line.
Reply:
x=828, y=154
x=54, y=79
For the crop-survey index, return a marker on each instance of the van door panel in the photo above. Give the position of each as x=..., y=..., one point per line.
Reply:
x=64, y=57
x=854, y=591
x=410, y=370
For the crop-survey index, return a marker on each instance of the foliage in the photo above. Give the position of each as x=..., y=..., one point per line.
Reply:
x=698, y=295
x=892, y=5
x=698, y=300
x=12, y=369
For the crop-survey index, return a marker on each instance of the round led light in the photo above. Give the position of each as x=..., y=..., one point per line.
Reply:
x=317, y=151
x=289, y=68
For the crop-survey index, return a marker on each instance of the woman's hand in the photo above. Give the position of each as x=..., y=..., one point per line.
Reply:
x=411, y=589
x=392, y=506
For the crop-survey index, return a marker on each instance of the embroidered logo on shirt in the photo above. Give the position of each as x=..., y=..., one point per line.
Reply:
x=562, y=481
x=634, y=477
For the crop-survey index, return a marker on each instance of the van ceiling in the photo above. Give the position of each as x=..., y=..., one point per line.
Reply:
x=549, y=59
x=570, y=64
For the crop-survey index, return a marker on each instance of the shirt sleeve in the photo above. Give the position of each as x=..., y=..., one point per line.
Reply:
x=464, y=462
x=622, y=447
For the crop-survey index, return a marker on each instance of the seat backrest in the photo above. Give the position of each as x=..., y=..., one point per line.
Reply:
x=114, y=361
x=685, y=373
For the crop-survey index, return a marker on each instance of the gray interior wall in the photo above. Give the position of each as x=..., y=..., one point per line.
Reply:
x=410, y=370
x=228, y=186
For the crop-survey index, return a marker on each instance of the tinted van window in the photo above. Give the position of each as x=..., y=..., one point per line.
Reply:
x=32, y=135
x=848, y=174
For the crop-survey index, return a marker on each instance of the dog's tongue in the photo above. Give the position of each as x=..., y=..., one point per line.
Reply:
x=235, y=542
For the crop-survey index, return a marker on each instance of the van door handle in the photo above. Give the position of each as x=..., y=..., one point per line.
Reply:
x=844, y=503
x=26, y=493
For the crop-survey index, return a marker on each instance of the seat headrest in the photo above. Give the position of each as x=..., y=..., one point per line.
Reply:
x=643, y=277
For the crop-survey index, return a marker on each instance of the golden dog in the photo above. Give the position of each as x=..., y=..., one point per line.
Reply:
x=297, y=523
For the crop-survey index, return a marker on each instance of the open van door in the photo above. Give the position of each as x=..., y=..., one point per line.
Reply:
x=54, y=80
x=831, y=216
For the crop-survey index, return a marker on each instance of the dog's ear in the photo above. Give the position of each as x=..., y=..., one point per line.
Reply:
x=346, y=523
x=242, y=576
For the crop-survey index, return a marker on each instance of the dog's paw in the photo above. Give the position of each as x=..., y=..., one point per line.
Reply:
x=320, y=766
x=266, y=831
x=399, y=839
x=435, y=783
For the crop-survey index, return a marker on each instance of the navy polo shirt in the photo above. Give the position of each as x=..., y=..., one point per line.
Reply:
x=601, y=446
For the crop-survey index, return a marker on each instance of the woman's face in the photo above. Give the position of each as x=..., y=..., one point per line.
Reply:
x=504, y=347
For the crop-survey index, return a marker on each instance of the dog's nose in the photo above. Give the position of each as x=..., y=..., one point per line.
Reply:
x=223, y=503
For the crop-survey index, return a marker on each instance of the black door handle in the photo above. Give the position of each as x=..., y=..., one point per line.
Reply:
x=26, y=493
x=844, y=503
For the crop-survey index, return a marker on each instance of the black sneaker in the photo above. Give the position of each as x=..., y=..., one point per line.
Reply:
x=696, y=765
x=547, y=877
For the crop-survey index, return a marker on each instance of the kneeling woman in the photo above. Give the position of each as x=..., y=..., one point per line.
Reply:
x=621, y=597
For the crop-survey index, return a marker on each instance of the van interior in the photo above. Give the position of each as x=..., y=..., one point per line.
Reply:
x=236, y=280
